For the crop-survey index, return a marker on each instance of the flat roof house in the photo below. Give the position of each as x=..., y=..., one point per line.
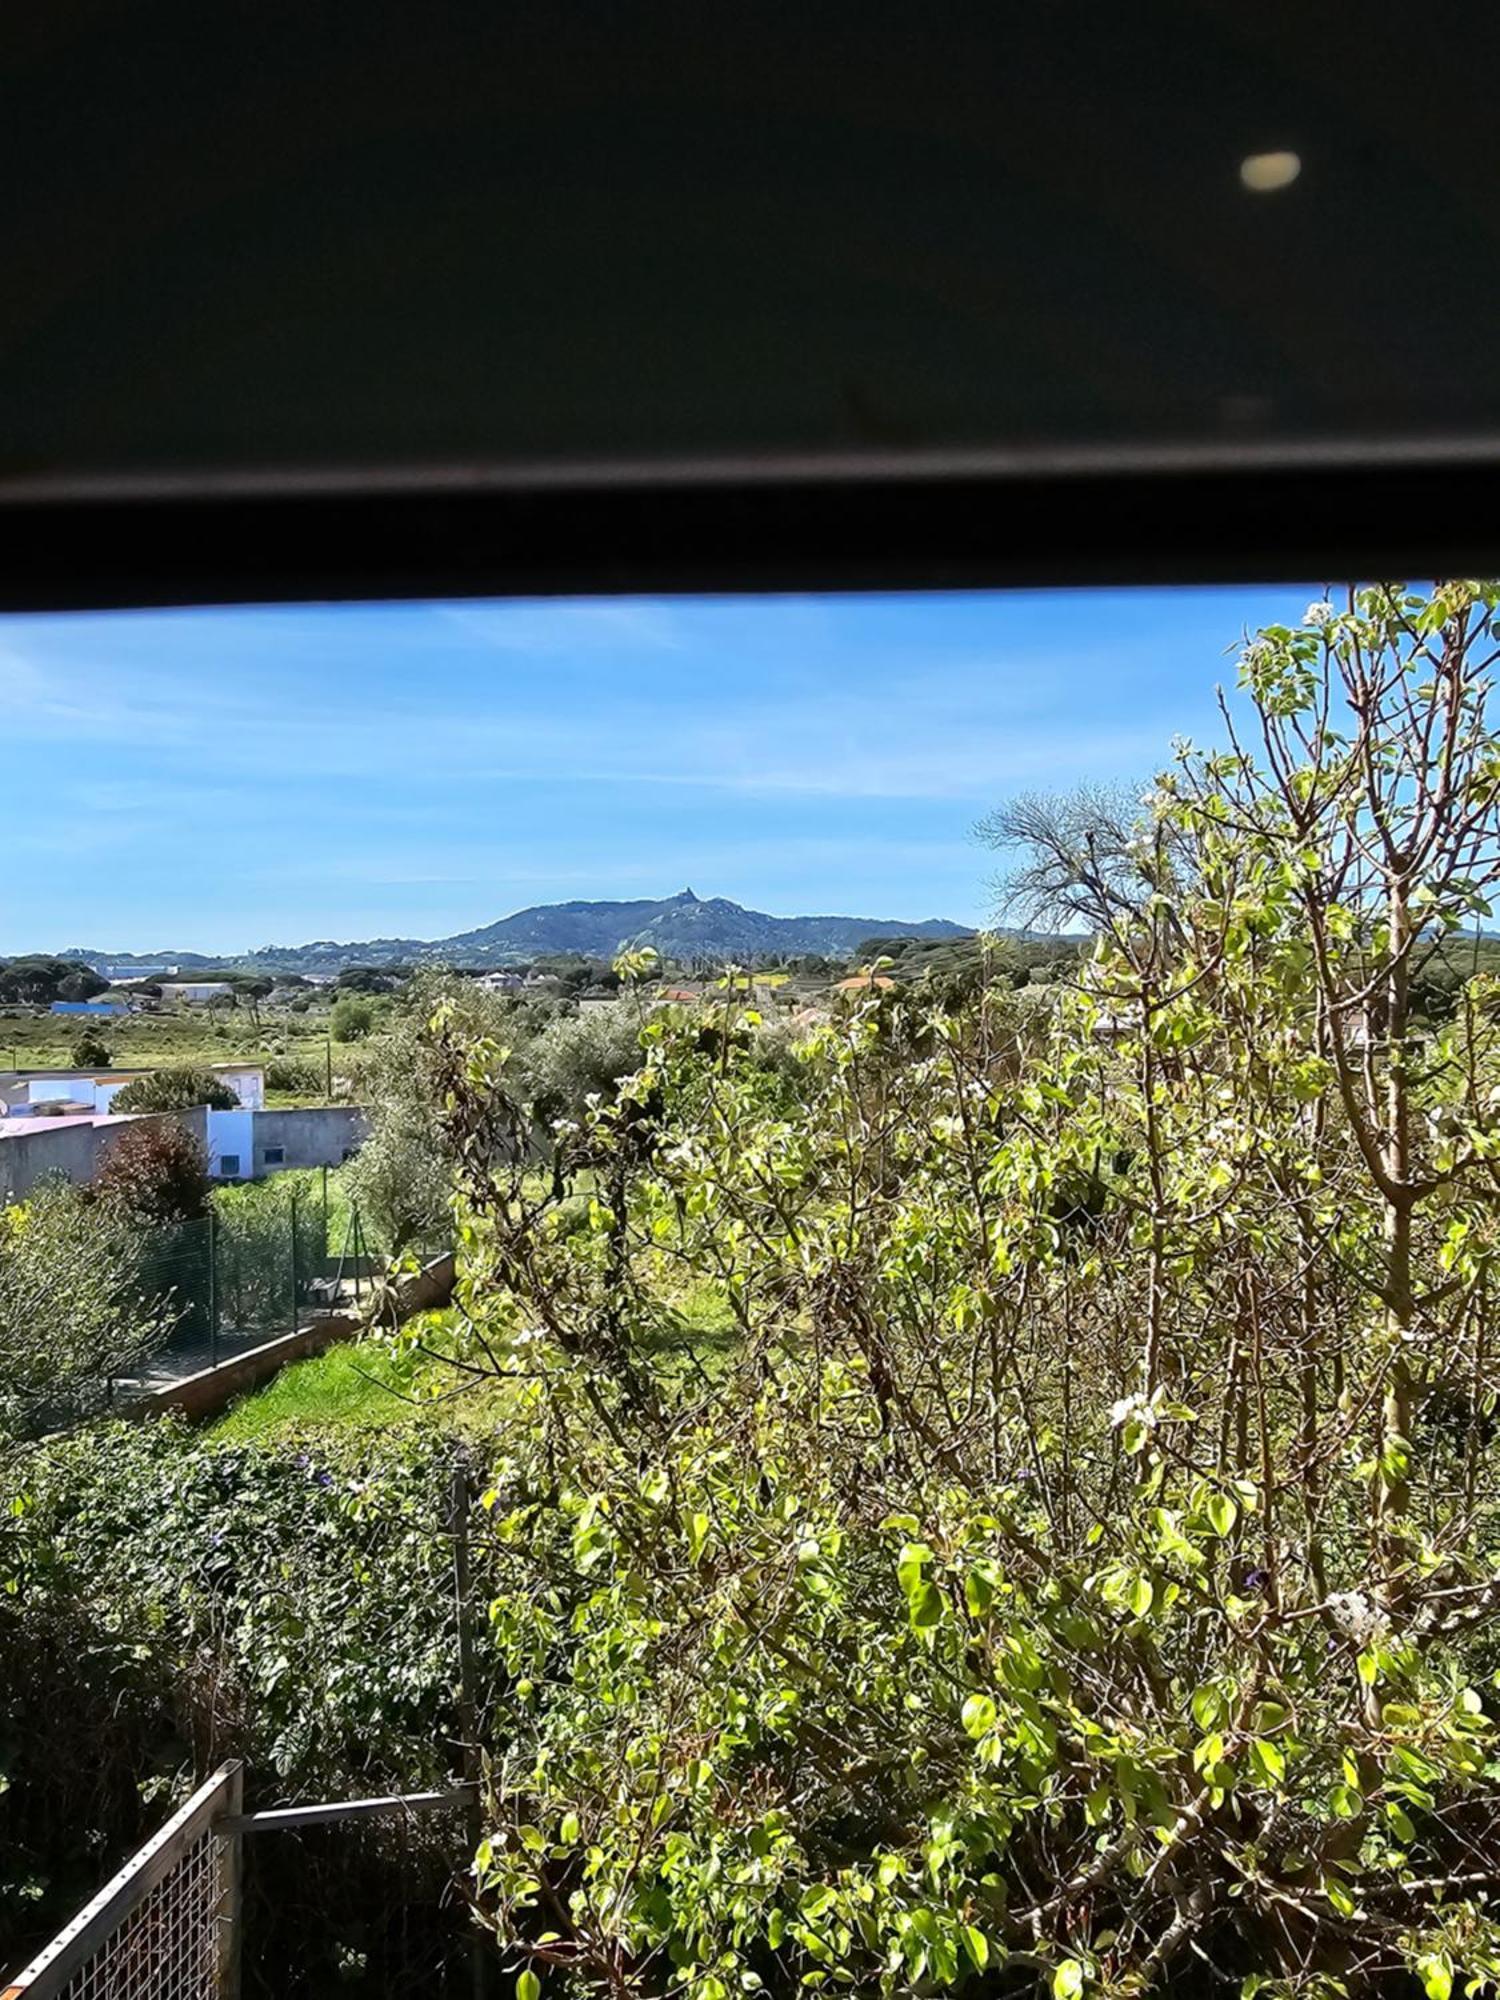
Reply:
x=194, y=992
x=22, y=1090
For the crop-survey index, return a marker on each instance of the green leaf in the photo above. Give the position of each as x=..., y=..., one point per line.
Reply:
x=1209, y=1707
x=1268, y=1759
x=927, y=1607
x=1221, y=1512
x=1067, y=1980
x=1436, y=1975
x=528, y=1986
x=977, y=1945
x=979, y=1593
x=978, y=1715
x=913, y=1560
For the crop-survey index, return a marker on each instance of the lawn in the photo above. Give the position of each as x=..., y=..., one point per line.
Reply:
x=367, y=1385
x=360, y=1386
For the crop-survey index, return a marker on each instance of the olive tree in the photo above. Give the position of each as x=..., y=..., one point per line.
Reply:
x=72, y=1314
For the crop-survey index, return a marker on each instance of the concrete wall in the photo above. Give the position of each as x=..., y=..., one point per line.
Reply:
x=32, y=1156
x=321, y=1136
x=47, y=1149
x=231, y=1145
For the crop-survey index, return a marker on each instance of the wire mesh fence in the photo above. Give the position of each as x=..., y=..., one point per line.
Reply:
x=267, y=1257
x=165, y=1927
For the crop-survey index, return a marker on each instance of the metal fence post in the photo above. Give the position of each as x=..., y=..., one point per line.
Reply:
x=213, y=1285
x=231, y=1907
x=294, y=1261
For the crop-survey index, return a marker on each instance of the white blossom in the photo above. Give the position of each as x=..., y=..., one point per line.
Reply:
x=1320, y=613
x=1132, y=1409
x=1356, y=1617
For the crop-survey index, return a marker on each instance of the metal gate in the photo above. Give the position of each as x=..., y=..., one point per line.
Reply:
x=167, y=1926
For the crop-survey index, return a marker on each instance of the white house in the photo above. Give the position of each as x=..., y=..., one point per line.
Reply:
x=194, y=992
x=94, y=1090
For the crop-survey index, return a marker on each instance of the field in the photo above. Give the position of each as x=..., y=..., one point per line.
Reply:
x=36, y=1039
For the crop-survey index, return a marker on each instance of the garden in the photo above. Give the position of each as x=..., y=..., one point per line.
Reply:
x=987, y=1491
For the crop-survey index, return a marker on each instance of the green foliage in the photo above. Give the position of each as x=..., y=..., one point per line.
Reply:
x=270, y=1244
x=1085, y=1557
x=91, y=1051
x=71, y=1310
x=295, y=1076
x=294, y=1608
x=154, y=1174
x=578, y=1056
x=401, y=1177
x=177, y=1089
x=37, y=980
x=352, y=1017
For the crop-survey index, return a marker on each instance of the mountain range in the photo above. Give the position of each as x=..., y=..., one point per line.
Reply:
x=682, y=927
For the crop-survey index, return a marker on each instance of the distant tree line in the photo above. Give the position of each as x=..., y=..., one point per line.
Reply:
x=36, y=981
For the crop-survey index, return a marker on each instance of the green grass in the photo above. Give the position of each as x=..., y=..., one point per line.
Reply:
x=357, y=1386
x=348, y=1388
x=32, y=1039
x=366, y=1386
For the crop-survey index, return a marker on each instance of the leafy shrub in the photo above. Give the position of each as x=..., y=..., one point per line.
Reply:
x=1098, y=1591
x=179, y=1088
x=351, y=1017
x=167, y=1601
x=91, y=1051
x=154, y=1174
x=293, y=1075
x=72, y=1315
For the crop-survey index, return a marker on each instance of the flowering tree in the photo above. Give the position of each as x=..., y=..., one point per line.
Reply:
x=1083, y=1563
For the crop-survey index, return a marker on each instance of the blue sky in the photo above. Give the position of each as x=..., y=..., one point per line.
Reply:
x=220, y=779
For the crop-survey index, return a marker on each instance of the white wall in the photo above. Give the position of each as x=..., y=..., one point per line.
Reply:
x=231, y=1134
x=63, y=1090
x=249, y=1086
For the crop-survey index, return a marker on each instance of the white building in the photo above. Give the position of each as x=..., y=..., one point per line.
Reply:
x=194, y=992
x=94, y=1090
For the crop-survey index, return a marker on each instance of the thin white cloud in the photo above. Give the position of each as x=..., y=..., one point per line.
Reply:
x=550, y=631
